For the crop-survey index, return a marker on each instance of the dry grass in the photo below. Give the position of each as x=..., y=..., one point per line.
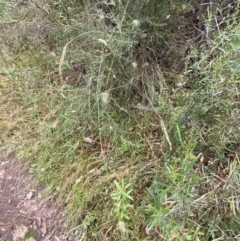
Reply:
x=143, y=165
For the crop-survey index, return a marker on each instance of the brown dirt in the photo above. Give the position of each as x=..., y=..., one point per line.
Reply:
x=23, y=214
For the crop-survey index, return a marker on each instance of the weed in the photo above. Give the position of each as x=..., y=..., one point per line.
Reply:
x=122, y=207
x=29, y=234
x=121, y=198
x=173, y=191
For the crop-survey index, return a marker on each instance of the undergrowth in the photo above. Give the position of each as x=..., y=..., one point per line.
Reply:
x=118, y=139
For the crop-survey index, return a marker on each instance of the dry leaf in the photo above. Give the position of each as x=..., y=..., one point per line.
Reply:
x=80, y=151
x=78, y=180
x=147, y=230
x=102, y=41
x=55, y=123
x=29, y=195
x=95, y=172
x=88, y=140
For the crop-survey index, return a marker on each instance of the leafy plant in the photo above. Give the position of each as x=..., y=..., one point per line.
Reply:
x=122, y=197
x=172, y=191
x=196, y=234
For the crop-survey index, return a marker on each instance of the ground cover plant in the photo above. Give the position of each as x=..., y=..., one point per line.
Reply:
x=131, y=128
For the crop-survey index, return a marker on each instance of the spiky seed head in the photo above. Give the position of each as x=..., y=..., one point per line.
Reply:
x=136, y=23
x=134, y=65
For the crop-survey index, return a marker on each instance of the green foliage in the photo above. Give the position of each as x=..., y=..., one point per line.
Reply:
x=172, y=192
x=29, y=234
x=86, y=101
x=195, y=235
x=122, y=197
x=213, y=107
x=2, y=9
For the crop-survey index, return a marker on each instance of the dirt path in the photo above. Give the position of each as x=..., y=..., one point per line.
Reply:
x=23, y=215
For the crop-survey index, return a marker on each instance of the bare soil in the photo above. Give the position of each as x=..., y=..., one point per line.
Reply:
x=23, y=214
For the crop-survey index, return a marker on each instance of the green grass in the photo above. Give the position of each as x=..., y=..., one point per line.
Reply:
x=114, y=140
x=29, y=234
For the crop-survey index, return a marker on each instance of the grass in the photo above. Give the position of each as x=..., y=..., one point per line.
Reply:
x=112, y=137
x=29, y=234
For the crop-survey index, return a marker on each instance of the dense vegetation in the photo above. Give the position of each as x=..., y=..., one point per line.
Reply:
x=127, y=112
